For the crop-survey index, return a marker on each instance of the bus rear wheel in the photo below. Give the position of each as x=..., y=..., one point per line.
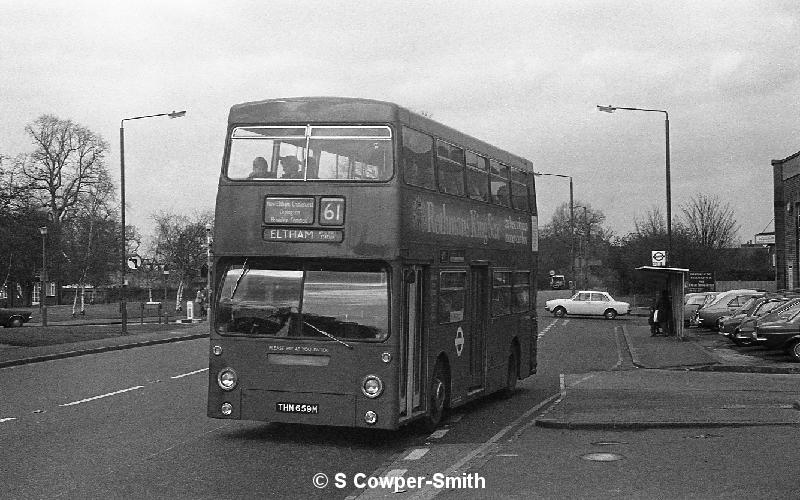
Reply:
x=437, y=398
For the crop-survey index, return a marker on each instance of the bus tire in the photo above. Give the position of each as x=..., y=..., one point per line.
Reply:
x=512, y=375
x=438, y=394
x=794, y=351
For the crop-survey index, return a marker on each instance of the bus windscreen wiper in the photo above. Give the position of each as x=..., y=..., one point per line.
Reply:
x=236, y=286
x=239, y=279
x=328, y=335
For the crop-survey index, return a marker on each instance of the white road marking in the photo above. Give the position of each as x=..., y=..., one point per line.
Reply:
x=547, y=328
x=103, y=396
x=429, y=492
x=438, y=434
x=7, y=419
x=190, y=373
x=566, y=322
x=417, y=454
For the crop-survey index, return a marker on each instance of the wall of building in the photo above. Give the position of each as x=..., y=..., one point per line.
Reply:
x=786, y=183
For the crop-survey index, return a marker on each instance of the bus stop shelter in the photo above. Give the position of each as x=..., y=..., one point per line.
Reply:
x=673, y=280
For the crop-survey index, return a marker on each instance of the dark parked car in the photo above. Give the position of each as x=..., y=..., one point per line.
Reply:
x=781, y=309
x=11, y=318
x=783, y=335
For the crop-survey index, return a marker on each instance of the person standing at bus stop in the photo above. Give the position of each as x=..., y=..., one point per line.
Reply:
x=664, y=311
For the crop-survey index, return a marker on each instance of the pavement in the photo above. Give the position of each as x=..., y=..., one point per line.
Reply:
x=18, y=355
x=666, y=382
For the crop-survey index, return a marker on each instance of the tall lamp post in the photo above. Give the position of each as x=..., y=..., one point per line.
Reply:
x=611, y=109
x=571, y=225
x=124, y=268
x=43, y=276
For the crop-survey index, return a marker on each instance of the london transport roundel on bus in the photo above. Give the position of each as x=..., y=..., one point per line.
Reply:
x=459, y=341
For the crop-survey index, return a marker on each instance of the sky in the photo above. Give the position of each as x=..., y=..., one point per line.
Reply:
x=525, y=76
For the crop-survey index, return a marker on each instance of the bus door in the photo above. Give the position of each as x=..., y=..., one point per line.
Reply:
x=478, y=323
x=411, y=341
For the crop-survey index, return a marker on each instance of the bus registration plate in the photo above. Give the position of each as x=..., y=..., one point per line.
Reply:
x=307, y=408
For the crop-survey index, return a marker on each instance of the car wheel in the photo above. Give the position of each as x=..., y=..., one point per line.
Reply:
x=437, y=398
x=794, y=351
x=559, y=312
x=741, y=342
x=512, y=375
x=15, y=322
x=610, y=314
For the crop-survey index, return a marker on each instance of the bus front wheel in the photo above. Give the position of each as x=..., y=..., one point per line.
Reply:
x=437, y=398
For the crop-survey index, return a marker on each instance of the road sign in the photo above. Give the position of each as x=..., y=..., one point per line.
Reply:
x=659, y=258
x=134, y=262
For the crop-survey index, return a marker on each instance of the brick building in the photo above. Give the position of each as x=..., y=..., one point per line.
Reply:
x=786, y=182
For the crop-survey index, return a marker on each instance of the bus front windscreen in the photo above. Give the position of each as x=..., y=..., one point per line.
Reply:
x=319, y=304
x=343, y=153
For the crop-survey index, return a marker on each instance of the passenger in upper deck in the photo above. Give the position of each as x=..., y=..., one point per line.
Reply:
x=292, y=169
x=260, y=169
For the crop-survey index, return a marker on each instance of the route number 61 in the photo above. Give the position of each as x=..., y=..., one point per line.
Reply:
x=331, y=211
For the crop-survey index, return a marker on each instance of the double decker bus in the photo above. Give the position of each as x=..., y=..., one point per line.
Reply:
x=371, y=267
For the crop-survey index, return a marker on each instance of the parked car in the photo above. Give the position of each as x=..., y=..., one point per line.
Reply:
x=783, y=335
x=12, y=318
x=728, y=323
x=694, y=301
x=743, y=335
x=723, y=305
x=557, y=281
x=738, y=330
x=592, y=303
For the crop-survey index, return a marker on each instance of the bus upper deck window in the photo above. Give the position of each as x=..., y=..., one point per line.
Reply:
x=350, y=153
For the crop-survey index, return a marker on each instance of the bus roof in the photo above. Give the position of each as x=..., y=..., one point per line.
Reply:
x=356, y=110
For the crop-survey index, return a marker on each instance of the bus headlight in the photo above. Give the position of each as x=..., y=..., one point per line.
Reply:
x=372, y=387
x=227, y=379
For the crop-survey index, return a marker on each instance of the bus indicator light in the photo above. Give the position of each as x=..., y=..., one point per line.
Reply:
x=226, y=409
x=371, y=417
x=386, y=357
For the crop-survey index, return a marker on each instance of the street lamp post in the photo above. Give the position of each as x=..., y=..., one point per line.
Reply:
x=571, y=225
x=611, y=109
x=43, y=276
x=124, y=268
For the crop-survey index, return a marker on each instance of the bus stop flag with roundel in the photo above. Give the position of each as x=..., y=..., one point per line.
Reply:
x=659, y=258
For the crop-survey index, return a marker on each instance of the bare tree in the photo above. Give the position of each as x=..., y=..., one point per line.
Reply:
x=708, y=223
x=179, y=242
x=67, y=162
x=652, y=224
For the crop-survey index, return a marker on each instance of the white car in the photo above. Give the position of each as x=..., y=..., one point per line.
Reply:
x=588, y=303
